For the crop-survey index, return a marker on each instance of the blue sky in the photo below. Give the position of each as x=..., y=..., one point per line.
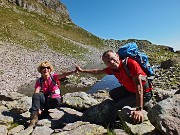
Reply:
x=157, y=21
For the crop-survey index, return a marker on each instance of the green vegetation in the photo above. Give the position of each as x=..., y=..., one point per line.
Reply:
x=13, y=125
x=110, y=132
x=158, y=54
x=32, y=31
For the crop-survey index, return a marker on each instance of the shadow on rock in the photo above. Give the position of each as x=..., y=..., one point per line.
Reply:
x=17, y=118
x=104, y=113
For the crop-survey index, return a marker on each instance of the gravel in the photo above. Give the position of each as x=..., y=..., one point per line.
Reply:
x=19, y=65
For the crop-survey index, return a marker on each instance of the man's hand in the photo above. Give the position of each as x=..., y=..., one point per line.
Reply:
x=39, y=112
x=78, y=68
x=137, y=116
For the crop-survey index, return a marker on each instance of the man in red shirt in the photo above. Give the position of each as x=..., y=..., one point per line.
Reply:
x=134, y=90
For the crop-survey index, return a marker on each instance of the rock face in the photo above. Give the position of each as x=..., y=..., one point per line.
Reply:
x=37, y=7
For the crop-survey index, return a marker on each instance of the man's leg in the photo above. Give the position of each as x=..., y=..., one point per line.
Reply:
x=147, y=97
x=127, y=101
x=123, y=97
x=118, y=93
x=130, y=100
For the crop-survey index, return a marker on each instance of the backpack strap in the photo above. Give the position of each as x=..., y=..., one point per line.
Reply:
x=126, y=68
x=144, y=78
x=54, y=81
x=41, y=82
x=124, y=63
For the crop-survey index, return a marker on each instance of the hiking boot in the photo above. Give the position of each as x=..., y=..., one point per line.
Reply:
x=34, y=119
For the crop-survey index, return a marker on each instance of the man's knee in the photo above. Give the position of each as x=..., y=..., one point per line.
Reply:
x=115, y=94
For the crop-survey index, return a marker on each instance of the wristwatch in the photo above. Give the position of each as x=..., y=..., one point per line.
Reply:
x=139, y=108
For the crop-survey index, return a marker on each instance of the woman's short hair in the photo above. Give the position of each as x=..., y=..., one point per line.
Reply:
x=44, y=64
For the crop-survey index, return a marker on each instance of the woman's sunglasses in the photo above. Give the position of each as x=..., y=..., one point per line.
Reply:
x=45, y=67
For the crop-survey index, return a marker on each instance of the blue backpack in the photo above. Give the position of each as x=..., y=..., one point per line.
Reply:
x=131, y=50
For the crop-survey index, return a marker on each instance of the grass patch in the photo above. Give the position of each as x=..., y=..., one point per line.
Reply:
x=32, y=30
x=13, y=125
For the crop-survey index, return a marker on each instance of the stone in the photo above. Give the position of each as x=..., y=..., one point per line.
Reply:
x=165, y=115
x=144, y=128
x=103, y=113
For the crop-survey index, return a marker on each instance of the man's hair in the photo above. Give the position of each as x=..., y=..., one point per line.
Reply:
x=44, y=64
x=104, y=54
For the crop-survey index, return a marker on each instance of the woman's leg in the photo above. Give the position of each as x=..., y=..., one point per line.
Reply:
x=38, y=102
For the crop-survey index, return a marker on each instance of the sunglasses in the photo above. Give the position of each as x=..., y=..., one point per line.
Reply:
x=45, y=67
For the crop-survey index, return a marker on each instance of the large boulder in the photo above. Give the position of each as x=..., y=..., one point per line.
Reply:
x=16, y=102
x=165, y=115
x=144, y=128
x=3, y=130
x=82, y=128
x=169, y=63
x=103, y=113
x=79, y=100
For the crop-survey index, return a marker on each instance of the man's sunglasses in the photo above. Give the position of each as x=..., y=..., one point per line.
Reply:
x=45, y=67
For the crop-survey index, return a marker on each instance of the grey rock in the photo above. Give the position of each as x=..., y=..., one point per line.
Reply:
x=5, y=119
x=3, y=130
x=119, y=132
x=38, y=8
x=20, y=106
x=27, y=131
x=79, y=100
x=47, y=123
x=42, y=130
x=101, y=95
x=144, y=128
x=103, y=113
x=82, y=128
x=169, y=63
x=54, y=113
x=16, y=130
x=165, y=115
x=160, y=95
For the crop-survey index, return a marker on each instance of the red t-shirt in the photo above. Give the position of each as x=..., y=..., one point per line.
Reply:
x=122, y=76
